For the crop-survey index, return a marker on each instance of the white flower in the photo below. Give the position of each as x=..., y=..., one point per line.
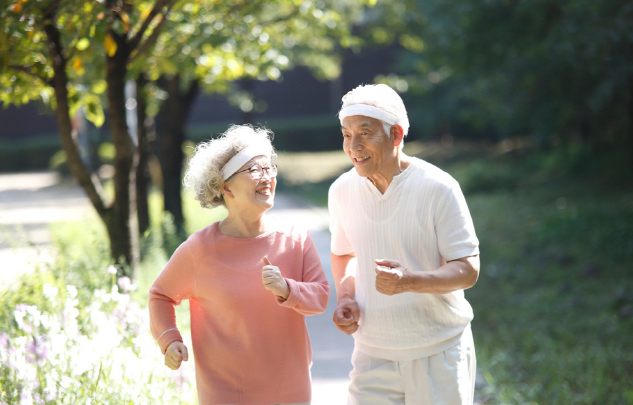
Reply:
x=72, y=291
x=50, y=292
x=126, y=284
x=112, y=270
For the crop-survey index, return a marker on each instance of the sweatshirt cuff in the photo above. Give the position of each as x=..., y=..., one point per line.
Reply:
x=293, y=297
x=168, y=338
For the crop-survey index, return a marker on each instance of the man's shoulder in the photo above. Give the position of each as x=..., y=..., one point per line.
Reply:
x=430, y=174
x=345, y=180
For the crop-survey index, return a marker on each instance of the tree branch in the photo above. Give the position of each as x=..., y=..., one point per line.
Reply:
x=136, y=40
x=153, y=37
x=28, y=71
x=281, y=19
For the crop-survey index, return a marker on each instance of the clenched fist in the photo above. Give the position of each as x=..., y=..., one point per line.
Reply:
x=346, y=316
x=175, y=354
x=274, y=281
x=391, y=277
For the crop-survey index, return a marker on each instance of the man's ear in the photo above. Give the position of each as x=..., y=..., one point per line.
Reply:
x=398, y=134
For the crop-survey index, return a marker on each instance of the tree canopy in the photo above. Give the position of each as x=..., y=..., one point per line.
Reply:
x=554, y=70
x=75, y=54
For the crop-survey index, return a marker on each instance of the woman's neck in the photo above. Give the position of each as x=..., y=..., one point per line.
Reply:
x=243, y=226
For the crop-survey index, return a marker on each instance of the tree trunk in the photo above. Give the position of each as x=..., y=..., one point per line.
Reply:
x=122, y=222
x=176, y=111
x=84, y=177
x=144, y=150
x=630, y=128
x=248, y=116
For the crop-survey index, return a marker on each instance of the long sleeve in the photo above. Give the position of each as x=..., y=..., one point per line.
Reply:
x=249, y=348
x=172, y=285
x=308, y=296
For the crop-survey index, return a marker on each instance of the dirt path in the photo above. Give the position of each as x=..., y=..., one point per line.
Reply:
x=30, y=202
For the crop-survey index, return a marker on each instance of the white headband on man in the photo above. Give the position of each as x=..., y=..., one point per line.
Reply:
x=368, y=111
x=242, y=157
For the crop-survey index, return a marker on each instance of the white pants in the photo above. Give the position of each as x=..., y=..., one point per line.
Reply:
x=446, y=378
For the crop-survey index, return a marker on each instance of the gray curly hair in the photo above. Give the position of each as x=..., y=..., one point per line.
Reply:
x=205, y=165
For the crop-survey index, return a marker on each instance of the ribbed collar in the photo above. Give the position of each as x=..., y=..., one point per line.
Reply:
x=397, y=179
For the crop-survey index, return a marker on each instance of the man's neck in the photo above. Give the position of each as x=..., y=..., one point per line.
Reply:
x=383, y=179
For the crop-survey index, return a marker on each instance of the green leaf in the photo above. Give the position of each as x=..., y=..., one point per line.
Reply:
x=83, y=44
x=99, y=86
x=95, y=114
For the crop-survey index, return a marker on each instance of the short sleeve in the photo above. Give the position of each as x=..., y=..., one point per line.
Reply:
x=339, y=244
x=454, y=226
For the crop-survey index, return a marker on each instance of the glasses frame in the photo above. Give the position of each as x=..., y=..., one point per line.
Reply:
x=262, y=171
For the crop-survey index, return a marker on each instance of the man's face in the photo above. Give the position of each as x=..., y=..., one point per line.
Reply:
x=367, y=145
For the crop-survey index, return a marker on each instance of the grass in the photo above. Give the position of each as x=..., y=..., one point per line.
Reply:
x=554, y=302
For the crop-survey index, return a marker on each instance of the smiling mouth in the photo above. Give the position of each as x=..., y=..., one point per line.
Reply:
x=360, y=159
x=265, y=191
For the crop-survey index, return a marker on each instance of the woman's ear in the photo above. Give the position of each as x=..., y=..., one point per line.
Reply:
x=225, y=190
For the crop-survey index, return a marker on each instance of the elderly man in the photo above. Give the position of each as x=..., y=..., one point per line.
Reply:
x=403, y=250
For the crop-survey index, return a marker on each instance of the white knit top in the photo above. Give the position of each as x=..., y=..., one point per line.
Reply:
x=421, y=220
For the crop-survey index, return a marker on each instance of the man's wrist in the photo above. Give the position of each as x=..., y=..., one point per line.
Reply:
x=344, y=300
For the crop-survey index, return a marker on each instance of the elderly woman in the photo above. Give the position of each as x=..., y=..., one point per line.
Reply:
x=249, y=279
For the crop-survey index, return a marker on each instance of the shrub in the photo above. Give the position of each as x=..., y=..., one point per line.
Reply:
x=63, y=347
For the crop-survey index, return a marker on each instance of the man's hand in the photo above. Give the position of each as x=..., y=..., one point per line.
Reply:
x=274, y=281
x=391, y=277
x=346, y=316
x=175, y=354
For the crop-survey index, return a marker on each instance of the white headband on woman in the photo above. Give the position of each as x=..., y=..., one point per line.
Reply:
x=368, y=111
x=242, y=157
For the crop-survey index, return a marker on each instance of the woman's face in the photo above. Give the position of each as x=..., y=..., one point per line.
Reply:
x=249, y=192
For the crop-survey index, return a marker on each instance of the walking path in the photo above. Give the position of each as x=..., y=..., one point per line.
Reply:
x=29, y=202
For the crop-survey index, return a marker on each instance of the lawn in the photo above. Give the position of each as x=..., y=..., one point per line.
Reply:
x=553, y=304
x=554, y=301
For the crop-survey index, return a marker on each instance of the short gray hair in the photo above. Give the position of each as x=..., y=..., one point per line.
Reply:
x=204, y=176
x=383, y=97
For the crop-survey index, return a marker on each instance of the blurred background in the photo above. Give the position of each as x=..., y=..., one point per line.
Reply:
x=528, y=104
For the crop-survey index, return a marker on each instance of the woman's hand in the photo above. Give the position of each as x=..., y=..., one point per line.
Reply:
x=175, y=354
x=273, y=280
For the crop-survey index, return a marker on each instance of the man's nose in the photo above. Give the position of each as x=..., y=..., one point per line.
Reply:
x=356, y=144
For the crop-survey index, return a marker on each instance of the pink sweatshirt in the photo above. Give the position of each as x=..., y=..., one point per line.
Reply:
x=250, y=347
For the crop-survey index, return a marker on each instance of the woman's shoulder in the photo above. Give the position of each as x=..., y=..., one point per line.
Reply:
x=202, y=237
x=288, y=228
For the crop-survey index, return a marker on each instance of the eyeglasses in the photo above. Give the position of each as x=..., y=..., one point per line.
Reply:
x=257, y=172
